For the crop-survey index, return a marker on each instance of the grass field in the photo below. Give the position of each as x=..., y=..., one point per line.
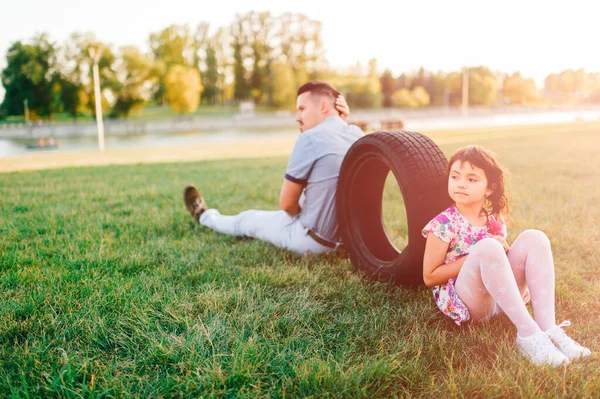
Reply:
x=109, y=290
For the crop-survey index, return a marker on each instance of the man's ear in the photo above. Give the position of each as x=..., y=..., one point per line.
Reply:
x=324, y=106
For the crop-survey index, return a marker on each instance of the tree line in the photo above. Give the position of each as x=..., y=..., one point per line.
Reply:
x=259, y=57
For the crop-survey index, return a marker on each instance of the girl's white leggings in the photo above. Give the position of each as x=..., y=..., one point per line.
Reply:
x=491, y=278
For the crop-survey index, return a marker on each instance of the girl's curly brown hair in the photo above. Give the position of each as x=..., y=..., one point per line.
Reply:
x=497, y=202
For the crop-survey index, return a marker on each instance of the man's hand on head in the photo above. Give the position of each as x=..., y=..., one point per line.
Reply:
x=342, y=107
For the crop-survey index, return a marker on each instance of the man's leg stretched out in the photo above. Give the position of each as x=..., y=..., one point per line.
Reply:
x=275, y=227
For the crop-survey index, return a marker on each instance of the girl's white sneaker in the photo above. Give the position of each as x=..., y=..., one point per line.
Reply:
x=540, y=350
x=566, y=344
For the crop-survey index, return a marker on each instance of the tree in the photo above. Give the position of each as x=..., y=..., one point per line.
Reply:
x=31, y=75
x=361, y=88
x=518, y=90
x=76, y=70
x=387, y=87
x=171, y=46
x=594, y=85
x=299, y=42
x=420, y=96
x=580, y=82
x=301, y=76
x=284, y=85
x=440, y=93
x=210, y=78
x=402, y=82
x=241, y=87
x=220, y=42
x=260, y=34
x=453, y=83
x=73, y=96
x=183, y=87
x=135, y=73
x=252, y=36
x=404, y=98
x=71, y=62
x=199, y=44
x=570, y=84
x=205, y=61
x=109, y=84
x=483, y=86
x=422, y=79
x=373, y=83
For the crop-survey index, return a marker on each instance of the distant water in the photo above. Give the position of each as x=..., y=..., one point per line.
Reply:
x=508, y=119
x=16, y=147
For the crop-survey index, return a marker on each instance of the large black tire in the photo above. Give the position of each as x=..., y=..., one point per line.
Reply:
x=420, y=170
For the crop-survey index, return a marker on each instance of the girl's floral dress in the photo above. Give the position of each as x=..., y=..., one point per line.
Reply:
x=452, y=227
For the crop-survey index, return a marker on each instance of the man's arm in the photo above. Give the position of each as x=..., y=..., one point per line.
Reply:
x=289, y=197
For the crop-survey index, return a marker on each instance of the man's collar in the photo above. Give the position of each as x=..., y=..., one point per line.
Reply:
x=333, y=119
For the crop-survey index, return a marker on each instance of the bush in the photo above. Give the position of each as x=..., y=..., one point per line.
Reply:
x=404, y=98
x=418, y=97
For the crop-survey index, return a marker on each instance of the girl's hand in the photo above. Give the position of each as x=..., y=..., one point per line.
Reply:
x=342, y=107
x=502, y=241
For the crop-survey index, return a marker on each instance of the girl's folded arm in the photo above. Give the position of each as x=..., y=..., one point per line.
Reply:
x=435, y=272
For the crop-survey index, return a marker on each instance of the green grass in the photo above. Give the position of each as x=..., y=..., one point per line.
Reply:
x=109, y=290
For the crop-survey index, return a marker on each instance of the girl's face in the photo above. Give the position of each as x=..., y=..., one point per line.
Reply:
x=467, y=184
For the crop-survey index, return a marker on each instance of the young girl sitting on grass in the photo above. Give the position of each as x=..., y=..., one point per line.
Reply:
x=475, y=274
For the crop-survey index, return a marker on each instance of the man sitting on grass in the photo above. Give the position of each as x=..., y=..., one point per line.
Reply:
x=307, y=221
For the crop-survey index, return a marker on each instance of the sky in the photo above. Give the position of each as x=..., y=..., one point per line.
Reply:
x=534, y=37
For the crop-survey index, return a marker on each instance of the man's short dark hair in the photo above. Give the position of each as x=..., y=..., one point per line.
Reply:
x=319, y=87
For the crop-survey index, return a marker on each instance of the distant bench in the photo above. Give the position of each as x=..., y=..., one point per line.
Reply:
x=392, y=124
x=363, y=125
x=387, y=124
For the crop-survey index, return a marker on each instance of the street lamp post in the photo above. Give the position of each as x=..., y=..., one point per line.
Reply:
x=465, y=92
x=26, y=107
x=95, y=53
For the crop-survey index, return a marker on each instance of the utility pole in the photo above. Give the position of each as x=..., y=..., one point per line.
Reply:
x=95, y=53
x=446, y=97
x=26, y=106
x=465, y=92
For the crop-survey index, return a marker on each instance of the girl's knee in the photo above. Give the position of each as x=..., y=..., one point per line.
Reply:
x=489, y=244
x=489, y=248
x=533, y=237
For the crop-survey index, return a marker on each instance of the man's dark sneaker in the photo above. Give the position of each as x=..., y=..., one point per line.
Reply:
x=194, y=202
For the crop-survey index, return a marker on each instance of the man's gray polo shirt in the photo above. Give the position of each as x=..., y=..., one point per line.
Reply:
x=315, y=162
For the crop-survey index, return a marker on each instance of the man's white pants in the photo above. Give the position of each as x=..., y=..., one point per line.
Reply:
x=276, y=227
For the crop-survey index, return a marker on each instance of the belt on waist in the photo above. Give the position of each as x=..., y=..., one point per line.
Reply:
x=321, y=241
